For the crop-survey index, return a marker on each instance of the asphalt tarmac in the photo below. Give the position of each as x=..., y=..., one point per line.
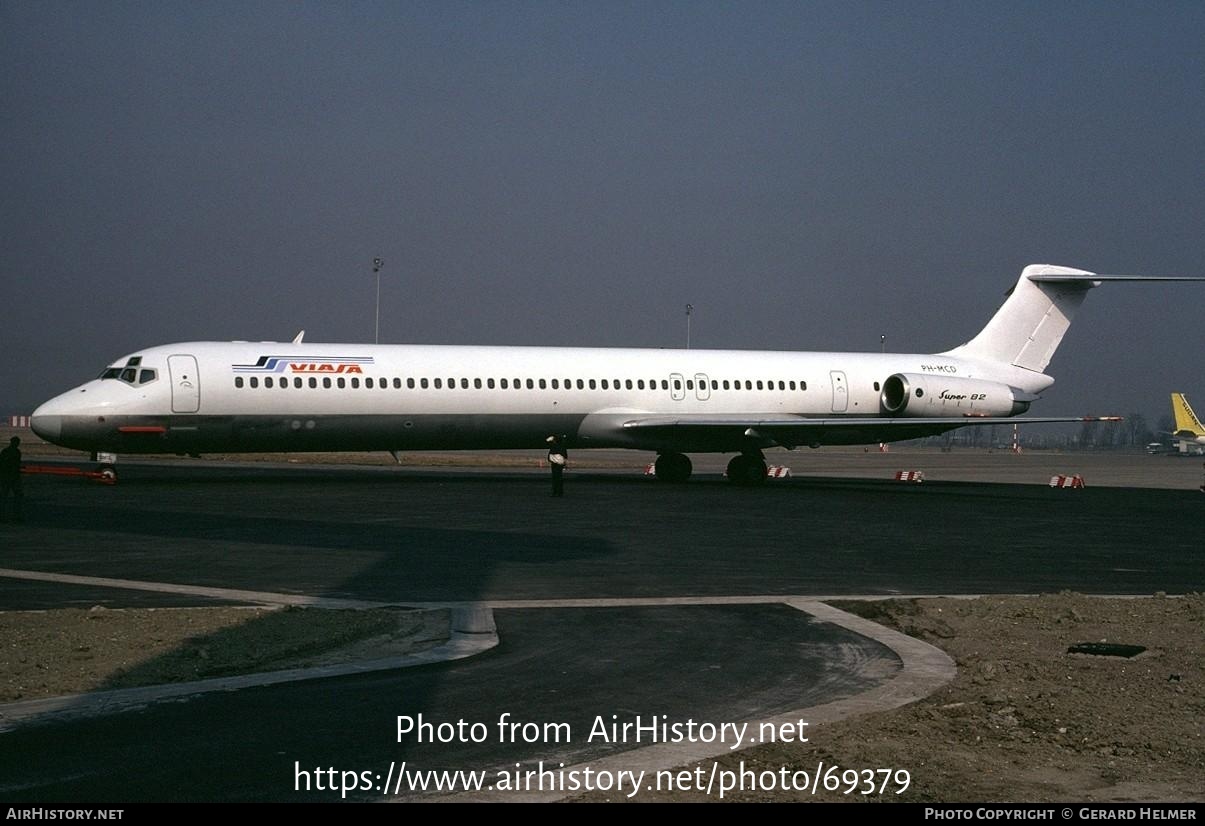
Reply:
x=423, y=536
x=400, y=535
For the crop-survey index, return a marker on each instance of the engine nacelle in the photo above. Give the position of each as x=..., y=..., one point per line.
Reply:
x=917, y=395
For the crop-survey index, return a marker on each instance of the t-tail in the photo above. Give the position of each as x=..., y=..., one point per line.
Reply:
x=1031, y=323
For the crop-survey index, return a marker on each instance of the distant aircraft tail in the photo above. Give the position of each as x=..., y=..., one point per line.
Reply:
x=1188, y=426
x=1031, y=323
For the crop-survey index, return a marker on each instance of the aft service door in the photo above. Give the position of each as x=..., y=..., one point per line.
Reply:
x=840, y=391
x=186, y=384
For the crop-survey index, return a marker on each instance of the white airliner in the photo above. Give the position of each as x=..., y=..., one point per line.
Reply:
x=204, y=397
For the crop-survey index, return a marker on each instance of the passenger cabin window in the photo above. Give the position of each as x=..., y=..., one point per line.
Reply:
x=313, y=382
x=254, y=382
x=326, y=382
x=268, y=381
x=238, y=381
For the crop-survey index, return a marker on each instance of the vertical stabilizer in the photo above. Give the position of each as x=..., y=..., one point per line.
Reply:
x=1029, y=326
x=1187, y=424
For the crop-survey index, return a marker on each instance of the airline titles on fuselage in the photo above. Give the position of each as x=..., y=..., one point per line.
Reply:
x=310, y=364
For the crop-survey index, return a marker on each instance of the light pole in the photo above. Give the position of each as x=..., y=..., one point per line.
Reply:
x=690, y=308
x=377, y=263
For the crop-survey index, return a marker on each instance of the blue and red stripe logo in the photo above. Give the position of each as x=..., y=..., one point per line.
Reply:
x=305, y=364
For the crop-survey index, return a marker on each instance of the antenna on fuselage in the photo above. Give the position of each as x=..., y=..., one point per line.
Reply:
x=297, y=338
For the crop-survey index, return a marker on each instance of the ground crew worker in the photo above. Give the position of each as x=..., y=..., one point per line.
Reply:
x=10, y=479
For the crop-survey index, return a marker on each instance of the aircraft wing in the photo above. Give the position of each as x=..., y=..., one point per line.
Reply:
x=792, y=431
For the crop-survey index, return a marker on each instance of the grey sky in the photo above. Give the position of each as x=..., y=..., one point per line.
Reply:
x=807, y=175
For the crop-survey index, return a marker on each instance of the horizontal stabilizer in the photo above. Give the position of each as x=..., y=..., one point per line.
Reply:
x=1096, y=278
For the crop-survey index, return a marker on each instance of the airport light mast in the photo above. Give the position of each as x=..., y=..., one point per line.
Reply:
x=377, y=263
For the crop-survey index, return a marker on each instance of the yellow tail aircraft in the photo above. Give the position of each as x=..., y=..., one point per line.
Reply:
x=1189, y=429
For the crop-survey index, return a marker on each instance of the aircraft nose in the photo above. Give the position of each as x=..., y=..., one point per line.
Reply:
x=48, y=427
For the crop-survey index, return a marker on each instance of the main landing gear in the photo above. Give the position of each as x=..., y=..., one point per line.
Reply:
x=747, y=469
x=744, y=469
x=672, y=467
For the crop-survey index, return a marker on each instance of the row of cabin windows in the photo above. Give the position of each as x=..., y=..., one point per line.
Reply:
x=517, y=384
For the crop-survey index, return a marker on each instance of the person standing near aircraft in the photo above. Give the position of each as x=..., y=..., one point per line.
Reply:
x=557, y=458
x=10, y=479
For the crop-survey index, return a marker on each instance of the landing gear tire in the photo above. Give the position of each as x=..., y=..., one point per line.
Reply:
x=672, y=467
x=746, y=469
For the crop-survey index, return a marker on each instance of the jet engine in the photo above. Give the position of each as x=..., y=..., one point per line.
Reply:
x=909, y=395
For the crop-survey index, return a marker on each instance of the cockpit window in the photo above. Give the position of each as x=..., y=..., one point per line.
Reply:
x=135, y=361
x=131, y=374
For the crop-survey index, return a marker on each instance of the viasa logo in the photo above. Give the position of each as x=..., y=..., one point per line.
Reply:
x=308, y=364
